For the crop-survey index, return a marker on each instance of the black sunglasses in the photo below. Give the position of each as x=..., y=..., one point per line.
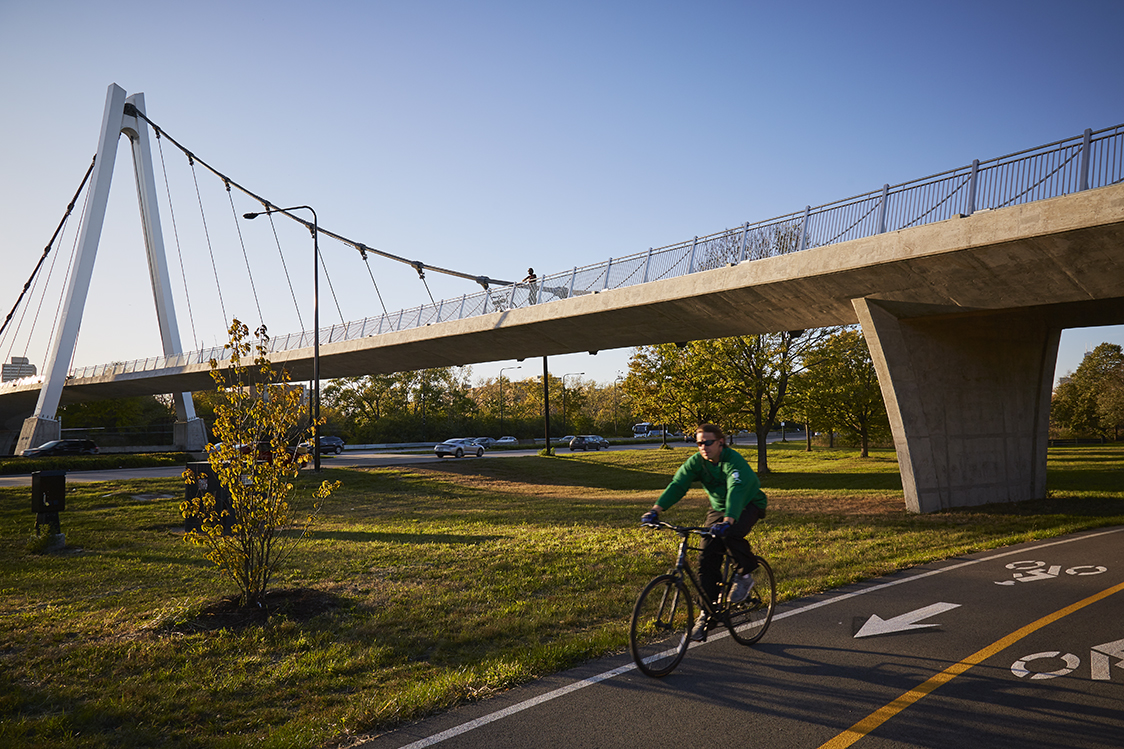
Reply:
x=705, y=443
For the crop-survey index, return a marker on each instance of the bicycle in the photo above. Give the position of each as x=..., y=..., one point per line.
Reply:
x=660, y=631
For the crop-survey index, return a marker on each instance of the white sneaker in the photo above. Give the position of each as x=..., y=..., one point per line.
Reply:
x=698, y=632
x=743, y=584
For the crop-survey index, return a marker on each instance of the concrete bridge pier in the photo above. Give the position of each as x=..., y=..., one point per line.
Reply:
x=968, y=395
x=189, y=435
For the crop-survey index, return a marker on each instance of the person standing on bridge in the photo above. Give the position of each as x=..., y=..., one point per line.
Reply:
x=736, y=504
x=530, y=281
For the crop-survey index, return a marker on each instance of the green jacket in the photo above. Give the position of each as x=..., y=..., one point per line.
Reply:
x=730, y=485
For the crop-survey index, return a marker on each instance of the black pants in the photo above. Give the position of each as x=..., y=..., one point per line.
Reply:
x=713, y=549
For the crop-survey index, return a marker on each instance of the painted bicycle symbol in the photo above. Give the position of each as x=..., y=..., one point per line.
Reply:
x=1029, y=571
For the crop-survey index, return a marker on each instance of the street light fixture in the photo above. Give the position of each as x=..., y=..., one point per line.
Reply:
x=565, y=422
x=315, y=321
x=502, y=370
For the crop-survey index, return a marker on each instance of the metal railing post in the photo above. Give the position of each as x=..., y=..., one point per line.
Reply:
x=573, y=278
x=647, y=265
x=741, y=250
x=973, y=180
x=1086, y=151
x=691, y=263
x=804, y=229
x=608, y=268
x=881, y=229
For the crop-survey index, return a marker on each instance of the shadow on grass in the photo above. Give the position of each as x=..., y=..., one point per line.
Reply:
x=291, y=604
x=874, y=481
x=400, y=538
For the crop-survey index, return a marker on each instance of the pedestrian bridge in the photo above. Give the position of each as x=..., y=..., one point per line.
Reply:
x=962, y=283
x=963, y=318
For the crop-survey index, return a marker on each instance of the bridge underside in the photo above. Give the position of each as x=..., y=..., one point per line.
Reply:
x=962, y=316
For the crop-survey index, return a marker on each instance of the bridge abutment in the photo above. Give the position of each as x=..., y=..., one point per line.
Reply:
x=37, y=430
x=968, y=395
x=190, y=435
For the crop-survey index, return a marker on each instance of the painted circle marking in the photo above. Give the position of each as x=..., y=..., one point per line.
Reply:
x=1093, y=569
x=1019, y=669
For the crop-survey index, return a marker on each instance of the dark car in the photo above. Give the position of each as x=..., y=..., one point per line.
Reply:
x=582, y=442
x=62, y=447
x=331, y=444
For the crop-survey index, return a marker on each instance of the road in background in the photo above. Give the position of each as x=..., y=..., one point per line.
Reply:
x=355, y=458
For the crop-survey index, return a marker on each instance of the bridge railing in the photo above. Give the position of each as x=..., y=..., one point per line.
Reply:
x=1093, y=159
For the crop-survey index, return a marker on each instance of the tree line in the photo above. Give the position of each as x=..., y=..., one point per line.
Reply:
x=822, y=378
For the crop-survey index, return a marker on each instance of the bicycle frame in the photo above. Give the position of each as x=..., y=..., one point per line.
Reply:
x=684, y=570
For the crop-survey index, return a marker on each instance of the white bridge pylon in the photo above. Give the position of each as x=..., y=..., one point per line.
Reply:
x=119, y=117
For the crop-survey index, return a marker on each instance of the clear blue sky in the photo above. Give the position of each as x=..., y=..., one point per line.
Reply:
x=492, y=136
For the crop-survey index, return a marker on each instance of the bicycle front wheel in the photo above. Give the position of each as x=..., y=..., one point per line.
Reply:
x=749, y=619
x=661, y=625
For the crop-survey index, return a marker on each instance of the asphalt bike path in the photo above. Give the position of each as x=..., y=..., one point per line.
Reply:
x=1014, y=647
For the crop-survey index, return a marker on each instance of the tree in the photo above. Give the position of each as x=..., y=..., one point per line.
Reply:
x=759, y=368
x=840, y=385
x=678, y=385
x=256, y=421
x=1076, y=406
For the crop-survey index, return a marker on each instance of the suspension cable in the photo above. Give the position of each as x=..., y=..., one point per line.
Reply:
x=47, y=249
x=206, y=233
x=331, y=288
x=285, y=267
x=179, y=250
x=249, y=273
x=363, y=252
x=65, y=280
x=484, y=281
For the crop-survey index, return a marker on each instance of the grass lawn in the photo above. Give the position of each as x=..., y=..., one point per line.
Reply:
x=425, y=587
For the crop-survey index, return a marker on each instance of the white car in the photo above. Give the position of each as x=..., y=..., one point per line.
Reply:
x=458, y=448
x=507, y=441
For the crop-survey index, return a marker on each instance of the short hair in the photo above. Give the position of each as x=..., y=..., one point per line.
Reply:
x=712, y=428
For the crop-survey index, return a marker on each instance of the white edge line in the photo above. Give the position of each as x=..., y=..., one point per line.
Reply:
x=561, y=691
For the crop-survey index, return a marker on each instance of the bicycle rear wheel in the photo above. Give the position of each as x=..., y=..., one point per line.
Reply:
x=661, y=625
x=748, y=620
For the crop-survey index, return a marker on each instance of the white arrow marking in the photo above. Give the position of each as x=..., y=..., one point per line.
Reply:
x=1101, y=656
x=876, y=625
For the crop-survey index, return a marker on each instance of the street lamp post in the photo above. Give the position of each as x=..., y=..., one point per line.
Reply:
x=616, y=403
x=502, y=370
x=565, y=421
x=315, y=322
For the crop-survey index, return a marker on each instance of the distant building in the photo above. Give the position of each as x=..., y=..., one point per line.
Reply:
x=20, y=367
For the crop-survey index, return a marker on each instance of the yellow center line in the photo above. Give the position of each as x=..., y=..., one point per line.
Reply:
x=883, y=714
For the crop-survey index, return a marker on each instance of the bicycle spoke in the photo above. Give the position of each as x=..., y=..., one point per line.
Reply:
x=661, y=621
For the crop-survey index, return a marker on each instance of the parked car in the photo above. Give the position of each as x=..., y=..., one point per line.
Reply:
x=599, y=440
x=508, y=440
x=62, y=447
x=484, y=441
x=458, y=447
x=582, y=442
x=331, y=444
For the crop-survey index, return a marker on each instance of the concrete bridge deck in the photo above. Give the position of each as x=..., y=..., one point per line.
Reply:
x=951, y=310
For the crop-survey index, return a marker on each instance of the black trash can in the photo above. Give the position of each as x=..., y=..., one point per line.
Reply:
x=206, y=481
x=48, y=498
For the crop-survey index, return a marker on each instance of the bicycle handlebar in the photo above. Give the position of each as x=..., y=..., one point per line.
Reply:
x=682, y=530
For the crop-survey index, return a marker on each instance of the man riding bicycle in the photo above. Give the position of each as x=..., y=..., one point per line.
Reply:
x=736, y=504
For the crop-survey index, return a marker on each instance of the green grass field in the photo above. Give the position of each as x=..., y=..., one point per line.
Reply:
x=424, y=587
